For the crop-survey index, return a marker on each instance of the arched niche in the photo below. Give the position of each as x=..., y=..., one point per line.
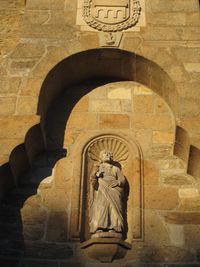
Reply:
x=128, y=154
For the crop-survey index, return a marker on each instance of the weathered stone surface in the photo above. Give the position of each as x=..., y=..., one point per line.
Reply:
x=156, y=197
x=126, y=106
x=9, y=85
x=114, y=121
x=156, y=231
x=64, y=172
x=151, y=122
x=16, y=126
x=167, y=18
x=187, y=6
x=45, y=4
x=20, y=65
x=190, y=204
x=32, y=87
x=192, y=19
x=42, y=250
x=33, y=232
x=192, y=235
x=7, y=105
x=26, y=105
x=53, y=55
x=145, y=139
x=170, y=164
x=132, y=44
x=26, y=50
x=32, y=212
x=187, y=54
x=105, y=106
x=176, y=235
x=143, y=104
x=98, y=93
x=161, y=106
x=7, y=145
x=192, y=67
x=151, y=174
x=169, y=254
x=105, y=250
x=179, y=179
x=161, y=150
x=142, y=90
x=189, y=106
x=119, y=93
x=57, y=227
x=11, y=23
x=82, y=105
x=183, y=217
x=190, y=123
x=82, y=121
x=160, y=137
x=51, y=199
x=32, y=42
x=145, y=255
x=188, y=192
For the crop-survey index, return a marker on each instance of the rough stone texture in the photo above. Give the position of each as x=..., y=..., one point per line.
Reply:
x=192, y=233
x=190, y=204
x=178, y=180
x=57, y=227
x=37, y=35
x=156, y=198
x=183, y=218
x=48, y=250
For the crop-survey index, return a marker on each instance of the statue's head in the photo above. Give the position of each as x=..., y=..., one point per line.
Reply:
x=106, y=156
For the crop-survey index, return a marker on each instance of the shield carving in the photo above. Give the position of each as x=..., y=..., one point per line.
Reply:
x=111, y=15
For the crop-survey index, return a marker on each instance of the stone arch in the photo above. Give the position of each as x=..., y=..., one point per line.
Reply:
x=87, y=66
x=126, y=66
x=99, y=65
x=112, y=64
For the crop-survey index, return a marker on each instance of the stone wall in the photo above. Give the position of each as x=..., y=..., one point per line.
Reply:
x=57, y=85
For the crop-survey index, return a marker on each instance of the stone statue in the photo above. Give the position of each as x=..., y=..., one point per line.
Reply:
x=106, y=196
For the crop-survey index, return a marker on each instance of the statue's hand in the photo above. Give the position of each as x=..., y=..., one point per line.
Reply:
x=114, y=184
x=95, y=184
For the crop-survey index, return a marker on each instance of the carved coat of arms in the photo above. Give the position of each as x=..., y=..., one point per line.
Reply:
x=111, y=15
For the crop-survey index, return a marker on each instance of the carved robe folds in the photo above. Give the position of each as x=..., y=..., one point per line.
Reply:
x=106, y=211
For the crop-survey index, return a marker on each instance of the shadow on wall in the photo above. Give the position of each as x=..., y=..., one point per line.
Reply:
x=29, y=164
x=188, y=153
x=33, y=161
x=99, y=65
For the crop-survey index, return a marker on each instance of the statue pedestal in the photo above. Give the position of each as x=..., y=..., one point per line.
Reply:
x=106, y=249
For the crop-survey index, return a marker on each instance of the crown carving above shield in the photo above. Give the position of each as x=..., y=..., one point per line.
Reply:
x=111, y=15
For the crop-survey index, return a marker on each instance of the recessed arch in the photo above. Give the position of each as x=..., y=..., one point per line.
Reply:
x=101, y=64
